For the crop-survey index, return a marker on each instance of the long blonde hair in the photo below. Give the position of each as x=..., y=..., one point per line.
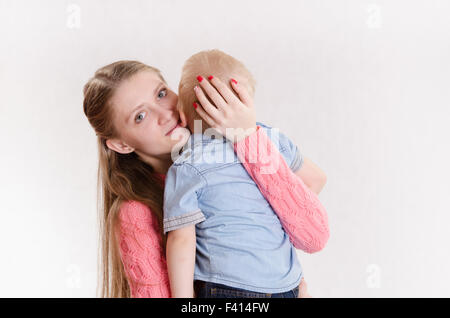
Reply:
x=120, y=177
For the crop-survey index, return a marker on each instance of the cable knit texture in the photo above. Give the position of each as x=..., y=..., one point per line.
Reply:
x=141, y=253
x=303, y=217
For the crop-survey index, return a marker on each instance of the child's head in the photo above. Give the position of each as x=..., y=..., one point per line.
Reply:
x=206, y=63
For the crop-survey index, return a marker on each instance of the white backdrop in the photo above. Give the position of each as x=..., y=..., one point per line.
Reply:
x=362, y=87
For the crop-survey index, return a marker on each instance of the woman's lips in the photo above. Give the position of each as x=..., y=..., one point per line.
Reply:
x=170, y=131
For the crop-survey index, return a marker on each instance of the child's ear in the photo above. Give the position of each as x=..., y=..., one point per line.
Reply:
x=183, y=118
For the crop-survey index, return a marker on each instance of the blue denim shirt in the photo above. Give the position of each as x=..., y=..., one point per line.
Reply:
x=240, y=240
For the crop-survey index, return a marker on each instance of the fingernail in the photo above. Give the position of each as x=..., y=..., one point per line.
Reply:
x=234, y=81
x=210, y=77
x=195, y=105
x=199, y=78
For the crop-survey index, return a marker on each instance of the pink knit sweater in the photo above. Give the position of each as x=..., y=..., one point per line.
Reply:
x=302, y=215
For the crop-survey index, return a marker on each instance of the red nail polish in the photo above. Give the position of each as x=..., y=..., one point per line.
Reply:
x=195, y=105
x=199, y=78
x=210, y=77
x=234, y=81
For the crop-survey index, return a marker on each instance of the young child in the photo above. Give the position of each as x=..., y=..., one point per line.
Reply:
x=223, y=234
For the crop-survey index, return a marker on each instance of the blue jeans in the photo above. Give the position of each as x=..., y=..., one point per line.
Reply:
x=213, y=290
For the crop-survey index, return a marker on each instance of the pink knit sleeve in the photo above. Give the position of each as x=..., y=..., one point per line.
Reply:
x=143, y=259
x=302, y=215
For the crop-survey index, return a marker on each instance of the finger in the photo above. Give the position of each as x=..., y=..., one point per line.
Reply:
x=223, y=89
x=212, y=93
x=242, y=91
x=204, y=115
x=208, y=107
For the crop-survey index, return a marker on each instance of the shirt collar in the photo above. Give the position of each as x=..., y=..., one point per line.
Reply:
x=203, y=138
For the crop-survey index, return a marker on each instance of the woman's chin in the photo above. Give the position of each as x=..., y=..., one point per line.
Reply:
x=180, y=136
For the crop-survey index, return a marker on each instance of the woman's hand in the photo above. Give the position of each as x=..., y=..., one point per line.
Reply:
x=231, y=116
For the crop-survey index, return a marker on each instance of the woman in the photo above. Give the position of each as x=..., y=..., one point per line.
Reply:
x=133, y=113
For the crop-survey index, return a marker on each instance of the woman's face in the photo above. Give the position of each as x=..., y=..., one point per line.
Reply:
x=145, y=115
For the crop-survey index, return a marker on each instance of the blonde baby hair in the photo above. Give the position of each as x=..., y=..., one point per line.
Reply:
x=205, y=63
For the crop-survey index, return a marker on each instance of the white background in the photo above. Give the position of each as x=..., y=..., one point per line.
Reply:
x=362, y=87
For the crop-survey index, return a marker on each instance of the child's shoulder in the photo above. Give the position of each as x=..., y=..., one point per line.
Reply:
x=182, y=158
x=269, y=130
x=258, y=123
x=185, y=165
x=276, y=136
x=272, y=133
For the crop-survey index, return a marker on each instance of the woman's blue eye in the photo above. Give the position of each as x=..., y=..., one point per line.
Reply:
x=140, y=117
x=165, y=93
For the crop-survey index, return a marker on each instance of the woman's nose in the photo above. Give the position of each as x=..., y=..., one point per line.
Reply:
x=165, y=116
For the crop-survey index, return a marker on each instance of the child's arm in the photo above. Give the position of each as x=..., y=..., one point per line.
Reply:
x=180, y=254
x=302, y=215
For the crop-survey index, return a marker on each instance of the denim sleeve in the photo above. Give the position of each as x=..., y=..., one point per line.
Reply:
x=287, y=148
x=296, y=158
x=183, y=186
